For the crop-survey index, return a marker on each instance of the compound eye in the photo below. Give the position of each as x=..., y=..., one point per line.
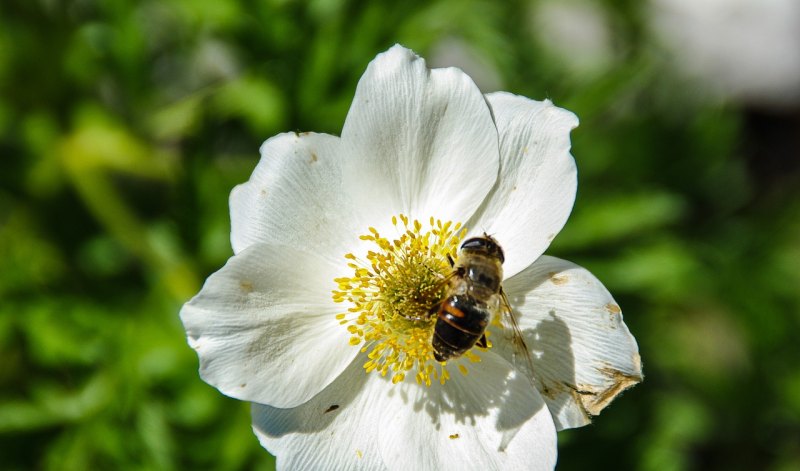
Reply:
x=476, y=243
x=500, y=254
x=485, y=245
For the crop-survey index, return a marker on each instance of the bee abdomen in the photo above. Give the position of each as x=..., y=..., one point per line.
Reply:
x=461, y=322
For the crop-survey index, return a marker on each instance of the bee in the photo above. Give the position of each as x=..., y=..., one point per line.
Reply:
x=474, y=295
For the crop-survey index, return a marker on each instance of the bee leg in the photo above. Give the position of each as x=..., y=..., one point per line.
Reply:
x=450, y=259
x=482, y=342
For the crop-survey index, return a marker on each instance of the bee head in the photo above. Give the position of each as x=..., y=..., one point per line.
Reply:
x=484, y=245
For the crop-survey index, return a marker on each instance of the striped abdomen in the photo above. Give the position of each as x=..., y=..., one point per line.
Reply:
x=461, y=322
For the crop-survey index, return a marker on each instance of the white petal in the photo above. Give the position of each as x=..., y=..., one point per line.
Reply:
x=536, y=189
x=264, y=327
x=295, y=197
x=584, y=354
x=334, y=430
x=491, y=419
x=418, y=141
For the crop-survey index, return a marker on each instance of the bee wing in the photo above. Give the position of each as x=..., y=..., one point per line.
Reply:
x=447, y=279
x=444, y=281
x=521, y=354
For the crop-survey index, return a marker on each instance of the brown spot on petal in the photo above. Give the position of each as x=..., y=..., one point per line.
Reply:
x=613, y=314
x=577, y=396
x=557, y=279
x=246, y=286
x=263, y=192
x=593, y=400
x=332, y=408
x=454, y=436
x=613, y=308
x=313, y=157
x=243, y=385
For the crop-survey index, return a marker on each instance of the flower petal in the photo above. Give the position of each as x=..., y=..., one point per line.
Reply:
x=294, y=197
x=264, y=327
x=418, y=141
x=490, y=419
x=334, y=430
x=584, y=354
x=536, y=189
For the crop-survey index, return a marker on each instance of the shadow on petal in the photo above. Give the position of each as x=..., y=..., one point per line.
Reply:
x=492, y=390
x=550, y=344
x=492, y=409
x=583, y=353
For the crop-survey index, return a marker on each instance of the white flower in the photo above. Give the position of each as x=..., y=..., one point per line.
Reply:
x=303, y=320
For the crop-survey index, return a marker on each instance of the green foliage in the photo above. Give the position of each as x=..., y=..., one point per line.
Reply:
x=125, y=124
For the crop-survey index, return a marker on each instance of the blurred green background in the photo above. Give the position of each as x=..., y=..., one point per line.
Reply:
x=124, y=125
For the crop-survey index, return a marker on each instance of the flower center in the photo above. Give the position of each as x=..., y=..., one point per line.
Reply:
x=394, y=296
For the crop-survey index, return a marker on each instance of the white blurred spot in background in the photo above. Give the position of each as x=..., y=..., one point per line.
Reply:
x=747, y=51
x=577, y=32
x=455, y=52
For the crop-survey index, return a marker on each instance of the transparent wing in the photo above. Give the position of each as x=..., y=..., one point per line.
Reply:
x=440, y=285
x=521, y=354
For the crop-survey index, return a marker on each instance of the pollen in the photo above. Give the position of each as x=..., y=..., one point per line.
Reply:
x=393, y=294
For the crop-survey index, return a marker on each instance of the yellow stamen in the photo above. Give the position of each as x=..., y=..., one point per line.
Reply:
x=393, y=295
